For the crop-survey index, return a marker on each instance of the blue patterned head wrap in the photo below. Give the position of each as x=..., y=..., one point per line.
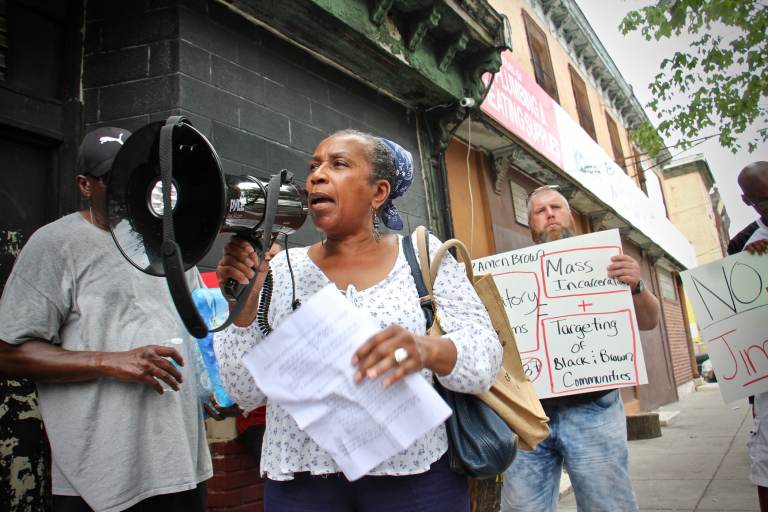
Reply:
x=403, y=179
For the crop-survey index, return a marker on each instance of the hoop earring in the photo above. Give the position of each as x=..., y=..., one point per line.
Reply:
x=376, y=225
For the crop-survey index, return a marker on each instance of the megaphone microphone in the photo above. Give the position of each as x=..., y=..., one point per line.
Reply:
x=172, y=164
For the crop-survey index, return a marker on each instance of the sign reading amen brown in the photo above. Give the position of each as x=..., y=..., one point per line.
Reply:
x=575, y=327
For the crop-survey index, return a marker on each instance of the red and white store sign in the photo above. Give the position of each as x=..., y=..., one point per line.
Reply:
x=518, y=103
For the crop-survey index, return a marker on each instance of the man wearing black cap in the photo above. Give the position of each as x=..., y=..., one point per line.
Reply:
x=107, y=350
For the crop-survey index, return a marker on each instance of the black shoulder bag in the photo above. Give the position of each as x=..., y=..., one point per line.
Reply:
x=480, y=443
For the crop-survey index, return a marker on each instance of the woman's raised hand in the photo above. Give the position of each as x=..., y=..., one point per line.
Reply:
x=240, y=262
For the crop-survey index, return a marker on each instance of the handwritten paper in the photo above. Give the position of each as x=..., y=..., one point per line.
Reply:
x=575, y=327
x=305, y=366
x=729, y=298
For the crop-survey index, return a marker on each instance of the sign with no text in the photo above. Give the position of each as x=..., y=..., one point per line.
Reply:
x=575, y=327
x=729, y=298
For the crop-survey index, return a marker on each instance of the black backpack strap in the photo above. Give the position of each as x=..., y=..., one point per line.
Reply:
x=424, y=297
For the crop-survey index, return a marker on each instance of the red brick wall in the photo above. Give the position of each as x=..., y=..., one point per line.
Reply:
x=678, y=341
x=236, y=485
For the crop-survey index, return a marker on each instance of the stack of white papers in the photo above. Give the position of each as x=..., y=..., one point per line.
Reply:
x=305, y=365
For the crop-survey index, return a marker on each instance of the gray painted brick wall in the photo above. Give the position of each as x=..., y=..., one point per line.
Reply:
x=263, y=103
x=130, y=63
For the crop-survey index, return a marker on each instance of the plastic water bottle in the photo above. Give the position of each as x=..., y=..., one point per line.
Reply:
x=175, y=343
x=214, y=310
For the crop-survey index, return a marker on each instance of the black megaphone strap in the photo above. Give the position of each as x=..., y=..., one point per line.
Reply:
x=172, y=262
x=273, y=194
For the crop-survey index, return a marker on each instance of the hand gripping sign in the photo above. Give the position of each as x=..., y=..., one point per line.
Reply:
x=575, y=327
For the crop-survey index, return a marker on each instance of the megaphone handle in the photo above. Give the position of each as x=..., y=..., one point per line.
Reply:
x=232, y=289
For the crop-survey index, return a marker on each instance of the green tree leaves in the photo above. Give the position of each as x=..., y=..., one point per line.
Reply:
x=720, y=84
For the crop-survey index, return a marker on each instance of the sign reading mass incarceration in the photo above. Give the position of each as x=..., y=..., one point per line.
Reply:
x=729, y=298
x=575, y=327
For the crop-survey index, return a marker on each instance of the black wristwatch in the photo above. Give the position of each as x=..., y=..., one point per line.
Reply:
x=638, y=288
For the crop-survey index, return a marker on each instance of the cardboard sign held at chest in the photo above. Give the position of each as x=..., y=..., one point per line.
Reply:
x=575, y=327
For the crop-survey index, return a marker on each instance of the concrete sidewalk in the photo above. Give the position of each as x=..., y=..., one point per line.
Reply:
x=699, y=463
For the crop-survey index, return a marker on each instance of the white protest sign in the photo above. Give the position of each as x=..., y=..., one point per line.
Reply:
x=575, y=327
x=729, y=297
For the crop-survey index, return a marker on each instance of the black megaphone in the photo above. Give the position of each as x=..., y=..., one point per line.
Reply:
x=170, y=162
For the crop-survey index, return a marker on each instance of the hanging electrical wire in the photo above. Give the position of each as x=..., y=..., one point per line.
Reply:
x=469, y=187
x=665, y=160
x=697, y=141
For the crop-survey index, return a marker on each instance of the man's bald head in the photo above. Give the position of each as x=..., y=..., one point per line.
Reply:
x=753, y=180
x=754, y=172
x=549, y=216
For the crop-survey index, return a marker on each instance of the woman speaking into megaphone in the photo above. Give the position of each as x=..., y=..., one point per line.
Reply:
x=353, y=178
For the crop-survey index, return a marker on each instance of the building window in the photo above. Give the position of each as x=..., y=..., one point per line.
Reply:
x=667, y=284
x=519, y=202
x=613, y=131
x=582, y=103
x=542, y=63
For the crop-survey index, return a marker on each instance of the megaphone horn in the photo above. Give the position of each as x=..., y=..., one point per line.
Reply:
x=172, y=163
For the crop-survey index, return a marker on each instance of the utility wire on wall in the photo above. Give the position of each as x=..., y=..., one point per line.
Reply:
x=469, y=186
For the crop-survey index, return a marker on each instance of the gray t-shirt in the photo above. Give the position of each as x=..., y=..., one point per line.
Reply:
x=114, y=443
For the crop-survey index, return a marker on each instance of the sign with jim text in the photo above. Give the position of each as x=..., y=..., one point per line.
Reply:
x=728, y=297
x=575, y=327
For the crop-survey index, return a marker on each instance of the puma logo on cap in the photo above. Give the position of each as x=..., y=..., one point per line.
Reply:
x=119, y=139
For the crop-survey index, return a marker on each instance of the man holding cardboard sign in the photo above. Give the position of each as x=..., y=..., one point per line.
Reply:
x=588, y=430
x=753, y=180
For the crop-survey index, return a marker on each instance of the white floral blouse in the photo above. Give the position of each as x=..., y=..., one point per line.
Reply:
x=394, y=300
